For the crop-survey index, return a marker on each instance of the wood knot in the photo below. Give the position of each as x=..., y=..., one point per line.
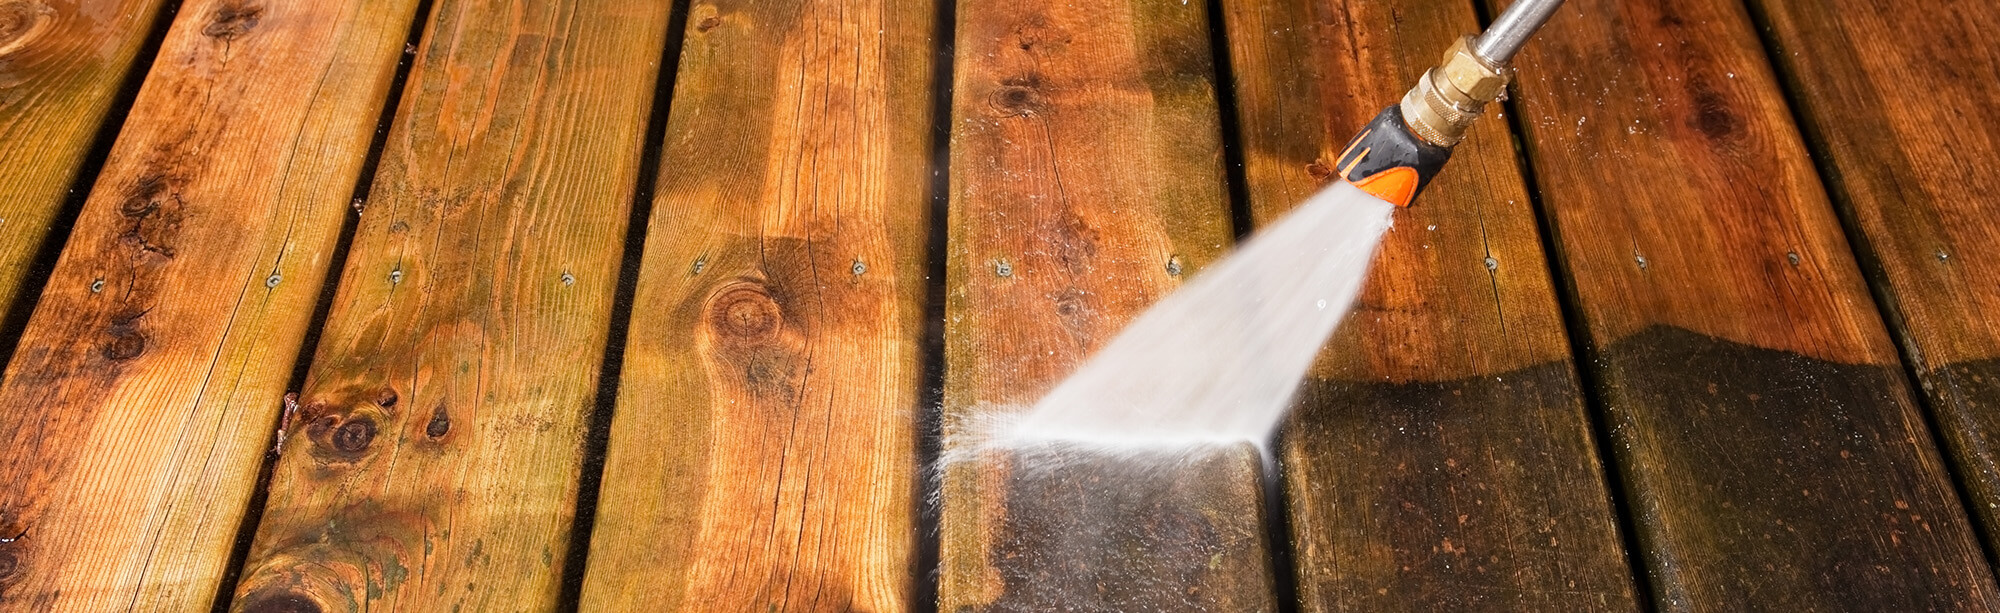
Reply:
x=10, y=564
x=280, y=602
x=439, y=425
x=1015, y=100
x=21, y=22
x=340, y=435
x=144, y=198
x=127, y=341
x=386, y=398
x=1712, y=115
x=354, y=436
x=230, y=22
x=1320, y=171
x=746, y=312
x=707, y=23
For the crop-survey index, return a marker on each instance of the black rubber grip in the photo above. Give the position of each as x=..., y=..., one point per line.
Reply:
x=1387, y=144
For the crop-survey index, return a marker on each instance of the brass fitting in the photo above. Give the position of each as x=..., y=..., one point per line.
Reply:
x=1453, y=94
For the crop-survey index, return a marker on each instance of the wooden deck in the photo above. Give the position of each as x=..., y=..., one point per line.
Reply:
x=499, y=305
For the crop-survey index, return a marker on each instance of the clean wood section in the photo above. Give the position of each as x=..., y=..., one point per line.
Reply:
x=1441, y=458
x=1771, y=448
x=148, y=382
x=1086, y=180
x=61, y=66
x=1892, y=99
x=433, y=460
x=763, y=453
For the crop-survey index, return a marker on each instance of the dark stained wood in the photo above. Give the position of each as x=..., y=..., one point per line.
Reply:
x=434, y=458
x=143, y=397
x=1892, y=95
x=61, y=65
x=1773, y=455
x=1086, y=178
x=1441, y=458
x=763, y=455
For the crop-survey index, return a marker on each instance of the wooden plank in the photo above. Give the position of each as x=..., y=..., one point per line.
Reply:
x=763, y=450
x=148, y=382
x=1886, y=96
x=1086, y=180
x=434, y=459
x=1441, y=457
x=1772, y=450
x=61, y=67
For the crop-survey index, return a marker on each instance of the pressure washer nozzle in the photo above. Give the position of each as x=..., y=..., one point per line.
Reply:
x=1406, y=144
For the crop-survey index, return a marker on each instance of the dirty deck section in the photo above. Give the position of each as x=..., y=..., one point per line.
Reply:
x=551, y=305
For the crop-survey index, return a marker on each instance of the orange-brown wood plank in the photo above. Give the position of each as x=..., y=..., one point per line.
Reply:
x=61, y=67
x=434, y=459
x=763, y=453
x=1441, y=457
x=143, y=397
x=1773, y=453
x=1890, y=94
x=1086, y=180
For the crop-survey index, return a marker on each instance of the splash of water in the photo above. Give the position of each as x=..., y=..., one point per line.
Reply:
x=1216, y=363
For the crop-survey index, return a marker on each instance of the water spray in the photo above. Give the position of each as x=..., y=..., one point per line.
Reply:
x=1216, y=363
x=1402, y=149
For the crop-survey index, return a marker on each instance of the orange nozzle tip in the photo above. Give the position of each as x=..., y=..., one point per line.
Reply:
x=1397, y=186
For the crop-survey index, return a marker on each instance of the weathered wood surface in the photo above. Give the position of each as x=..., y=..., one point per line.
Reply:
x=763, y=453
x=1086, y=180
x=143, y=397
x=1441, y=458
x=61, y=67
x=434, y=458
x=1891, y=97
x=1772, y=451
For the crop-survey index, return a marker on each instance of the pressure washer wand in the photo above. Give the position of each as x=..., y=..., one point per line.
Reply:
x=1399, y=152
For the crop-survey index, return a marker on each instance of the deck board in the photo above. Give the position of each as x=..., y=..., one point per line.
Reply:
x=150, y=376
x=763, y=452
x=434, y=459
x=61, y=68
x=1771, y=448
x=1086, y=180
x=1441, y=457
x=1889, y=98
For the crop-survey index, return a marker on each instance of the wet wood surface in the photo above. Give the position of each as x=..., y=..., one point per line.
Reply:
x=1648, y=359
x=1912, y=169
x=62, y=65
x=148, y=381
x=1771, y=448
x=763, y=456
x=1086, y=180
x=1441, y=457
x=434, y=457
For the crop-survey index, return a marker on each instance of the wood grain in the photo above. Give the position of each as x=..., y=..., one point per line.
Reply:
x=434, y=458
x=1890, y=99
x=61, y=67
x=1441, y=457
x=1086, y=179
x=763, y=456
x=148, y=382
x=1773, y=454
